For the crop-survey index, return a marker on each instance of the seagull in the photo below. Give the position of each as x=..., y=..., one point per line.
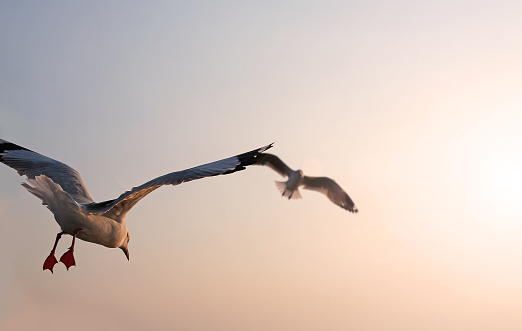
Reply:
x=62, y=190
x=296, y=178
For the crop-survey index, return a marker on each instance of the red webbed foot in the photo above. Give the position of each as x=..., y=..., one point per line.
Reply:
x=68, y=259
x=49, y=263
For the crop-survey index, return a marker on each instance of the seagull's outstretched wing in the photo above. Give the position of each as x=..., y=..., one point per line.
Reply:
x=117, y=208
x=32, y=164
x=274, y=163
x=332, y=190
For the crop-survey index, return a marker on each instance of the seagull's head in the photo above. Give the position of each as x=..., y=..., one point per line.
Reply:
x=125, y=246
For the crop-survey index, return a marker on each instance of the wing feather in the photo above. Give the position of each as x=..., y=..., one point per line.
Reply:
x=275, y=163
x=32, y=164
x=117, y=208
x=332, y=190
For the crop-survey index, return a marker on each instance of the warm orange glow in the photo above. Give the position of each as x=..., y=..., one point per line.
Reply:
x=415, y=108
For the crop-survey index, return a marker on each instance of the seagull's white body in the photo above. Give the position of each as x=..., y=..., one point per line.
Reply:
x=71, y=215
x=290, y=188
x=296, y=179
x=62, y=190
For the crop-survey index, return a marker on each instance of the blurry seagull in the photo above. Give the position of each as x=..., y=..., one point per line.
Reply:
x=62, y=190
x=296, y=178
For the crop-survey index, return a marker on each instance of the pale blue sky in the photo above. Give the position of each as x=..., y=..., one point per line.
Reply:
x=413, y=107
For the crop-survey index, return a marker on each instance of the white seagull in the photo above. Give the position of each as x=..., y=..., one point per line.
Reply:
x=296, y=178
x=62, y=190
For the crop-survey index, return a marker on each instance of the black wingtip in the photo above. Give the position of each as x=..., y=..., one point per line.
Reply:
x=267, y=147
x=6, y=146
x=249, y=158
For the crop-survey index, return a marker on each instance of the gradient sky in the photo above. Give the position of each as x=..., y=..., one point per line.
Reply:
x=415, y=108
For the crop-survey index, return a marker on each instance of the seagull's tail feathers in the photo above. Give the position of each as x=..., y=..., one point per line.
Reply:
x=286, y=192
x=51, y=194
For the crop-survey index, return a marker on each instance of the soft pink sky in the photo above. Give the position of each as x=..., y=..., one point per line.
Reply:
x=414, y=108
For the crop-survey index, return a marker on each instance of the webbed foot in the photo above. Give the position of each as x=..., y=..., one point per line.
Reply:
x=68, y=258
x=49, y=263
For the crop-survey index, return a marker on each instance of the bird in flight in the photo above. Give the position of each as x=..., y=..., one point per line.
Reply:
x=62, y=190
x=296, y=178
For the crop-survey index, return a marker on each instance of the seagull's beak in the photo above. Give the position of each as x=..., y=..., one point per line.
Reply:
x=125, y=251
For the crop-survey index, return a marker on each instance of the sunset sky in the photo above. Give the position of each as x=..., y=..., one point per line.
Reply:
x=414, y=108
